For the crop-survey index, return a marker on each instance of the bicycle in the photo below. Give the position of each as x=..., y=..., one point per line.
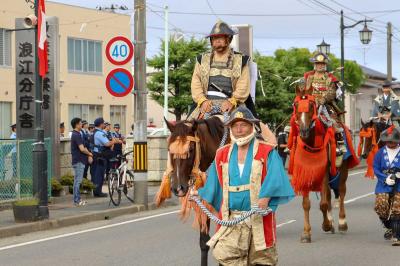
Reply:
x=120, y=179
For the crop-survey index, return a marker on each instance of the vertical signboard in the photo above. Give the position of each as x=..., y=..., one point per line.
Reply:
x=25, y=80
x=50, y=82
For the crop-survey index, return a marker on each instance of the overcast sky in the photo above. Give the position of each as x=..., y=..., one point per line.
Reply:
x=275, y=26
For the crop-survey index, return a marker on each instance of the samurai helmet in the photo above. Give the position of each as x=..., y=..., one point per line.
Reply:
x=320, y=58
x=221, y=29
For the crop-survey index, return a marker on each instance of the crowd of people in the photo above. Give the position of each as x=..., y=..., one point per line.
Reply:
x=92, y=147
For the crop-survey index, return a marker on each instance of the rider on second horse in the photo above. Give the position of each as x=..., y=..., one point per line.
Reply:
x=326, y=90
x=221, y=77
x=386, y=105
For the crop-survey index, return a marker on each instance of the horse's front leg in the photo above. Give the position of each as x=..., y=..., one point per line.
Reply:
x=344, y=172
x=204, y=237
x=306, y=236
x=326, y=207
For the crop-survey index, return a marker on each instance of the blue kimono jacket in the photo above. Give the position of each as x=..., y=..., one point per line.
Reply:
x=276, y=185
x=381, y=163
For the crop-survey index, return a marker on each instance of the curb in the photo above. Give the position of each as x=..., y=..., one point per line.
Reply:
x=20, y=229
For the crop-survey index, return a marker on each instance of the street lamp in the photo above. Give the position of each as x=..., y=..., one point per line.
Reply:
x=324, y=47
x=365, y=37
x=365, y=34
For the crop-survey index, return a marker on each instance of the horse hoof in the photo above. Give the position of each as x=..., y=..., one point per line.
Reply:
x=343, y=227
x=328, y=228
x=305, y=239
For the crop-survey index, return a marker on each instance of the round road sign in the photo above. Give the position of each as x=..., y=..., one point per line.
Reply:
x=119, y=82
x=119, y=50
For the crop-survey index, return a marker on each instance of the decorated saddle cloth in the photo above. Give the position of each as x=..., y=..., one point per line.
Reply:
x=308, y=165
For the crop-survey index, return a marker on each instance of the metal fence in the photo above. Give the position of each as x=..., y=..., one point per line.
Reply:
x=16, y=167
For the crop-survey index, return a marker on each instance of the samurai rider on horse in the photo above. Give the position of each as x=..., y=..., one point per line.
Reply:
x=327, y=91
x=386, y=105
x=321, y=150
x=221, y=80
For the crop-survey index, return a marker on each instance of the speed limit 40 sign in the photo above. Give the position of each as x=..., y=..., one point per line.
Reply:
x=119, y=50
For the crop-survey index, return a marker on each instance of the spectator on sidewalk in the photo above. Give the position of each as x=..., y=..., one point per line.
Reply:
x=117, y=135
x=102, y=152
x=86, y=139
x=62, y=130
x=80, y=157
x=14, y=150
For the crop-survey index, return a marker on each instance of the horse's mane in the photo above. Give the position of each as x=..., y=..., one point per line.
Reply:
x=214, y=125
x=184, y=128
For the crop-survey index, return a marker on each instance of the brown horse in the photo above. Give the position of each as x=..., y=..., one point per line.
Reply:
x=369, y=142
x=192, y=143
x=313, y=162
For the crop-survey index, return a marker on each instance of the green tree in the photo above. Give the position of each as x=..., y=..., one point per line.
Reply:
x=280, y=70
x=182, y=59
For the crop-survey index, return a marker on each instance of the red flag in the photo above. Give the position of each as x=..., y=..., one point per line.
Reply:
x=42, y=39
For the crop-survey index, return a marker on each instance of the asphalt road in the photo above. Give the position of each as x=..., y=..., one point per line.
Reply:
x=159, y=238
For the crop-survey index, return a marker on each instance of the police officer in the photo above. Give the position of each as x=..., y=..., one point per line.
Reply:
x=117, y=135
x=102, y=152
x=91, y=146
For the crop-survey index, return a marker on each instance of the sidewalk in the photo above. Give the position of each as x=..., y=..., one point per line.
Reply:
x=64, y=213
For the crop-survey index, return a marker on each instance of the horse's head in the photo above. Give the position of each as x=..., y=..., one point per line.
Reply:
x=367, y=138
x=182, y=149
x=305, y=110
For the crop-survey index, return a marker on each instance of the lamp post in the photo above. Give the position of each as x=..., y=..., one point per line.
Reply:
x=324, y=47
x=365, y=38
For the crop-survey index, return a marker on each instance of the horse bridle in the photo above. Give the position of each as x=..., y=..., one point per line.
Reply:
x=197, y=156
x=309, y=99
x=368, y=133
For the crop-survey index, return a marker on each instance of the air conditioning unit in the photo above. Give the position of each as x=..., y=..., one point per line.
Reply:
x=243, y=41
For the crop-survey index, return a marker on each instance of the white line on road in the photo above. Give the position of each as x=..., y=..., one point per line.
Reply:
x=359, y=197
x=357, y=173
x=285, y=223
x=86, y=231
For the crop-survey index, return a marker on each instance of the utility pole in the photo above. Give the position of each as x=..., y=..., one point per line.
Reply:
x=389, y=51
x=140, y=100
x=39, y=154
x=166, y=67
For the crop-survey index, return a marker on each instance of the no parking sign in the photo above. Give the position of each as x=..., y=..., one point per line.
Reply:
x=119, y=82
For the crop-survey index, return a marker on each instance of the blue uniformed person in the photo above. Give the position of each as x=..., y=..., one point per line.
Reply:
x=91, y=146
x=117, y=135
x=102, y=151
x=386, y=105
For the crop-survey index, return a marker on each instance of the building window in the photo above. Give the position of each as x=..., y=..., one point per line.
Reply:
x=84, y=56
x=5, y=121
x=5, y=48
x=88, y=112
x=117, y=116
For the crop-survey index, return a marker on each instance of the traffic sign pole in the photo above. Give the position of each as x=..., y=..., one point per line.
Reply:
x=140, y=132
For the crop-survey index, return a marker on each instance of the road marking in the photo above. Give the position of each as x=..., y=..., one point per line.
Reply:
x=357, y=173
x=285, y=223
x=359, y=197
x=86, y=231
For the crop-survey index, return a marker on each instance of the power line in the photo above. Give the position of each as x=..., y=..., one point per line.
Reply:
x=268, y=14
x=212, y=10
